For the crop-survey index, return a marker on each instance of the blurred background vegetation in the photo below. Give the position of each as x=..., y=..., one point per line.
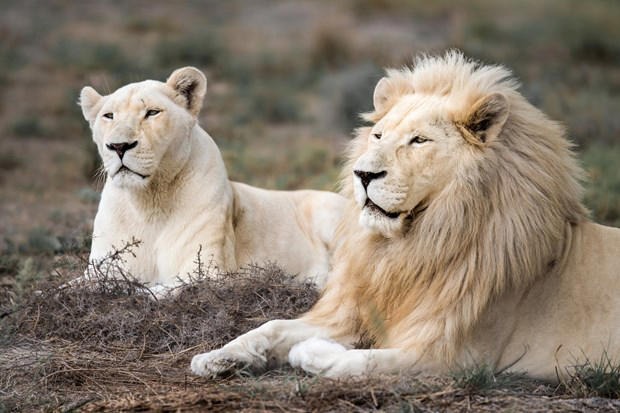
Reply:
x=286, y=82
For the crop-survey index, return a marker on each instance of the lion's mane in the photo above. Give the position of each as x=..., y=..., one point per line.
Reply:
x=501, y=225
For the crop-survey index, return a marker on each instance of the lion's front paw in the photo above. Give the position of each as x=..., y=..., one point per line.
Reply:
x=219, y=362
x=315, y=355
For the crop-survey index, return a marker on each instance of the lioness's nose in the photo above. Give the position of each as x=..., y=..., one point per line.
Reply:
x=121, y=148
x=366, y=177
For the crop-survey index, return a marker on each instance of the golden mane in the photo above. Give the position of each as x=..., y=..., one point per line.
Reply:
x=501, y=225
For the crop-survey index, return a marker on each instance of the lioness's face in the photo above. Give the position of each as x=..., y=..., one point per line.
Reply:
x=142, y=129
x=411, y=154
x=134, y=129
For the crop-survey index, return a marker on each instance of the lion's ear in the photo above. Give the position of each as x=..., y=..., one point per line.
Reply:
x=382, y=93
x=90, y=101
x=190, y=86
x=386, y=92
x=486, y=118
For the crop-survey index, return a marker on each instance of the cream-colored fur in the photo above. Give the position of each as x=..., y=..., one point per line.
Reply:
x=170, y=190
x=467, y=242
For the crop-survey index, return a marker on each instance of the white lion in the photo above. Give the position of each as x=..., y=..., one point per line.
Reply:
x=468, y=243
x=167, y=186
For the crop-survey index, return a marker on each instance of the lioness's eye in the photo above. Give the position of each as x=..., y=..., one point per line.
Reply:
x=108, y=115
x=377, y=135
x=151, y=112
x=417, y=139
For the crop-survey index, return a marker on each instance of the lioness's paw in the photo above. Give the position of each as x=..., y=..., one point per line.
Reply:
x=160, y=291
x=218, y=362
x=315, y=355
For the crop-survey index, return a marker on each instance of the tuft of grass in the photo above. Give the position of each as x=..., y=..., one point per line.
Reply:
x=600, y=378
x=9, y=264
x=481, y=378
x=29, y=273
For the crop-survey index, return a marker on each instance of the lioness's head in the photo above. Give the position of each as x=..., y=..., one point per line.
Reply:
x=142, y=129
x=426, y=132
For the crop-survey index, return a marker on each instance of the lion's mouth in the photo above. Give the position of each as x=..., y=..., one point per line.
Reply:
x=374, y=207
x=125, y=169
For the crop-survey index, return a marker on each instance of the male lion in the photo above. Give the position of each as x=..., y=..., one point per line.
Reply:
x=468, y=242
x=167, y=187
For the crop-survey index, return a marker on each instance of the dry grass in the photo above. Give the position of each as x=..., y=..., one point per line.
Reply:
x=107, y=334
x=108, y=344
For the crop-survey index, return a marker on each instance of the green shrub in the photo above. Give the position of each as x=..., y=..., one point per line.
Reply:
x=89, y=56
x=197, y=49
x=275, y=106
x=270, y=102
x=603, y=185
x=290, y=67
x=41, y=241
x=28, y=126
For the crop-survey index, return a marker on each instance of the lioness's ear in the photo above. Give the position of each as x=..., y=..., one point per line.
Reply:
x=486, y=119
x=90, y=101
x=190, y=85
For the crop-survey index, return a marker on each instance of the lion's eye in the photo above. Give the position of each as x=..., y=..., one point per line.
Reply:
x=418, y=140
x=152, y=112
x=108, y=115
x=377, y=135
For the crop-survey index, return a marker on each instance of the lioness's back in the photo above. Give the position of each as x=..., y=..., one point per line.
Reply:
x=262, y=236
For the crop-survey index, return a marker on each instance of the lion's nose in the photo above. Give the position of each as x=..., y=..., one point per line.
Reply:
x=121, y=148
x=366, y=177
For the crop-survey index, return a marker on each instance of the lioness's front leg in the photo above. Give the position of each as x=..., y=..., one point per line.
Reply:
x=265, y=345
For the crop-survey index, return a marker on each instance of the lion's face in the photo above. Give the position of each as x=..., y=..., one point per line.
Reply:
x=414, y=151
x=142, y=129
x=410, y=155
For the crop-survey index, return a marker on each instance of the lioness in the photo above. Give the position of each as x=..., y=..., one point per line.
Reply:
x=468, y=242
x=167, y=186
